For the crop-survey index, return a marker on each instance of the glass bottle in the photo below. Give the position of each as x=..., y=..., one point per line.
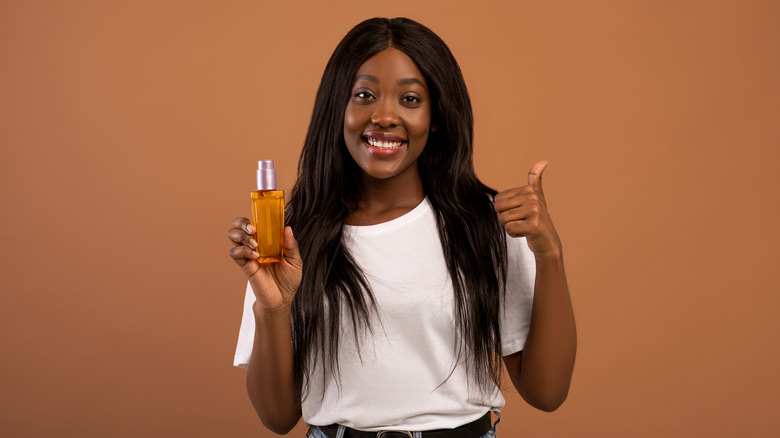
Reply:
x=268, y=214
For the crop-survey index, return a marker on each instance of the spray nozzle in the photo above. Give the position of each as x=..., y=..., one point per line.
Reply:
x=266, y=175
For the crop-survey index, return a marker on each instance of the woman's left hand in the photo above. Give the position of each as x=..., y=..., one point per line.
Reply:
x=523, y=213
x=542, y=371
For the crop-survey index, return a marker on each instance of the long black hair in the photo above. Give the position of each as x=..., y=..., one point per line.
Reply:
x=328, y=187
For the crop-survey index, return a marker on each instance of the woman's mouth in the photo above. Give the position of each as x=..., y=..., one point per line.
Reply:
x=383, y=144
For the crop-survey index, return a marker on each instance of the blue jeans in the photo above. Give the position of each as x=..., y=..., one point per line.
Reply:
x=315, y=432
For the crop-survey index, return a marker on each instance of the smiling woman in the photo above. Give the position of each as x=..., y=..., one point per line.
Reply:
x=386, y=127
x=408, y=279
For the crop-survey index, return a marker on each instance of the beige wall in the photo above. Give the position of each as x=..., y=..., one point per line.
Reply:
x=129, y=133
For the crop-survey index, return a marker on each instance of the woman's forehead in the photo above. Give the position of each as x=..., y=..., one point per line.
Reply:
x=390, y=64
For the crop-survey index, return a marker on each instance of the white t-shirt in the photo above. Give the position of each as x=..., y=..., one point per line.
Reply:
x=400, y=380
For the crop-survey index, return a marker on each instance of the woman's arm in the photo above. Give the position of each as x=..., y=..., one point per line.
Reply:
x=542, y=372
x=270, y=377
x=269, y=380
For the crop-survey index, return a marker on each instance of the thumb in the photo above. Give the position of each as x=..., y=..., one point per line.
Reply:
x=535, y=175
x=290, y=246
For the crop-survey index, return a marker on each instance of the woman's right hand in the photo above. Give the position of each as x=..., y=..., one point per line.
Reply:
x=274, y=284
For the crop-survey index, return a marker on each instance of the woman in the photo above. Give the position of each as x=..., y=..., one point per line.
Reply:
x=402, y=287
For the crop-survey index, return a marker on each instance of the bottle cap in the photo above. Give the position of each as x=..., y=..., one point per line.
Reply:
x=266, y=175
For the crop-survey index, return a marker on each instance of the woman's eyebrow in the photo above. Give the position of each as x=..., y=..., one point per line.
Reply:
x=367, y=77
x=407, y=81
x=412, y=81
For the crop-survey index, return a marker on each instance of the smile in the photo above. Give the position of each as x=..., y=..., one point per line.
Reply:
x=384, y=144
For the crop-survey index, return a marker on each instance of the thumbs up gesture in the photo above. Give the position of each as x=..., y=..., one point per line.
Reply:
x=523, y=213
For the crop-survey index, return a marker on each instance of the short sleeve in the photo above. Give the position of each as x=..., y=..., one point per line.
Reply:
x=246, y=334
x=516, y=313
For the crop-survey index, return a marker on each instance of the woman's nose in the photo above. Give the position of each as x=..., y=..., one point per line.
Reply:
x=385, y=114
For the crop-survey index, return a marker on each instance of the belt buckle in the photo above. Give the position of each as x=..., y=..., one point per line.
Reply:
x=382, y=432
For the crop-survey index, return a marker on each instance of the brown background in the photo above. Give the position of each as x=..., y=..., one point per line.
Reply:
x=130, y=133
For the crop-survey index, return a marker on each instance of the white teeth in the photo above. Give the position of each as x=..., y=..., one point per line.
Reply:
x=375, y=142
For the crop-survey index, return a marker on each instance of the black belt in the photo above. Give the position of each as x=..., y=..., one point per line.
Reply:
x=475, y=429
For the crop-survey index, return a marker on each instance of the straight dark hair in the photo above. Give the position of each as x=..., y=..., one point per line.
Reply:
x=328, y=188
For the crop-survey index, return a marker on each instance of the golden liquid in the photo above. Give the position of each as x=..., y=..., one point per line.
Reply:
x=268, y=219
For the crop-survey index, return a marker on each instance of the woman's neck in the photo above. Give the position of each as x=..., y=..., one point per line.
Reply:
x=385, y=200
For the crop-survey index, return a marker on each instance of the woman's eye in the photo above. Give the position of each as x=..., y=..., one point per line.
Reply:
x=363, y=95
x=411, y=99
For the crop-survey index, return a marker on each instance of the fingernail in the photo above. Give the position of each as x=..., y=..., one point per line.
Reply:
x=252, y=243
x=255, y=255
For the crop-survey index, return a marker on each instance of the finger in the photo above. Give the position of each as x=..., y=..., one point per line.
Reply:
x=243, y=254
x=504, y=199
x=522, y=228
x=290, y=247
x=527, y=211
x=513, y=198
x=240, y=237
x=535, y=175
x=245, y=224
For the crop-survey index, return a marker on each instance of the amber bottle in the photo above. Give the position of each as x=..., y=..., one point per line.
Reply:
x=268, y=213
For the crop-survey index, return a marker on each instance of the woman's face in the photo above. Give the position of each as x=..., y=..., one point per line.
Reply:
x=388, y=117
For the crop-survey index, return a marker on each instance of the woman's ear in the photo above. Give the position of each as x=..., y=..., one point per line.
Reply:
x=434, y=127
